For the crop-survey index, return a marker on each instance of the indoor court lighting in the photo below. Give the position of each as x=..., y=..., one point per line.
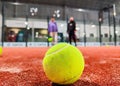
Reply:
x=28, y=28
x=53, y=15
x=114, y=10
x=93, y=26
x=32, y=14
x=62, y=25
x=26, y=23
x=37, y=32
x=81, y=10
x=58, y=15
x=116, y=32
x=16, y=3
x=77, y=28
x=114, y=14
x=58, y=11
x=33, y=11
x=55, y=11
x=100, y=19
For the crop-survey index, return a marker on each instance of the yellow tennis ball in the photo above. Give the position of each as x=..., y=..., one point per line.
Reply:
x=1, y=51
x=63, y=64
x=50, y=39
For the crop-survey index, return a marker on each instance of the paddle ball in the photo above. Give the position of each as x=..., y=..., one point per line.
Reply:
x=63, y=64
x=1, y=50
x=50, y=39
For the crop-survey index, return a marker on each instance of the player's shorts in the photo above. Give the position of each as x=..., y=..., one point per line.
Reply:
x=53, y=30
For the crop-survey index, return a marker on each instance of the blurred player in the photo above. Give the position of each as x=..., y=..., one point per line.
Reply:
x=71, y=28
x=53, y=30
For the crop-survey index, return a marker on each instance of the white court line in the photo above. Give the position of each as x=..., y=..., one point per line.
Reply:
x=103, y=62
x=86, y=65
x=115, y=59
x=10, y=69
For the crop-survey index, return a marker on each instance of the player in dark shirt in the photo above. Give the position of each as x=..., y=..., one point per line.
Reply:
x=71, y=28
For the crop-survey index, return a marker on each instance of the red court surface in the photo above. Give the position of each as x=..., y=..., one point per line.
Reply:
x=23, y=67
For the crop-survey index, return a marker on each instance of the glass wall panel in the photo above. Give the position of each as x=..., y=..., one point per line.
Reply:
x=29, y=23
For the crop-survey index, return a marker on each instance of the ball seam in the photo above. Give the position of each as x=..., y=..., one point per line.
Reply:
x=58, y=50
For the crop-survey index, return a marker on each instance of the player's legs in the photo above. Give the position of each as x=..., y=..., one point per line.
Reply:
x=55, y=37
x=70, y=38
x=74, y=38
x=52, y=35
